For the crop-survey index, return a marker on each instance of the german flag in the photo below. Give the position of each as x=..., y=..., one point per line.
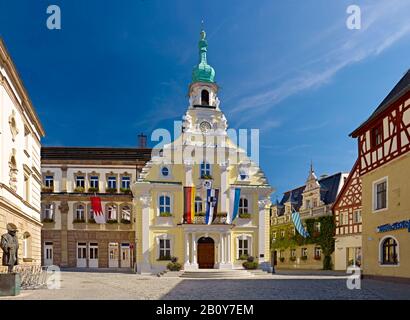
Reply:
x=189, y=204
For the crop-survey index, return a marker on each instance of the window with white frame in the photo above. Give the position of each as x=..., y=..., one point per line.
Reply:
x=205, y=170
x=79, y=212
x=164, y=249
x=48, y=211
x=380, y=194
x=164, y=204
x=80, y=181
x=357, y=216
x=304, y=252
x=293, y=253
x=243, y=247
x=243, y=205
x=344, y=218
x=94, y=182
x=126, y=213
x=112, y=182
x=125, y=182
x=49, y=181
x=111, y=211
x=274, y=234
x=198, y=204
x=316, y=226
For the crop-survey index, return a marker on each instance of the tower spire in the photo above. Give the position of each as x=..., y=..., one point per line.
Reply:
x=203, y=72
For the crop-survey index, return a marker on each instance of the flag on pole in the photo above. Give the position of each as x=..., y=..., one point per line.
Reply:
x=234, y=197
x=211, y=205
x=97, y=210
x=189, y=204
x=298, y=224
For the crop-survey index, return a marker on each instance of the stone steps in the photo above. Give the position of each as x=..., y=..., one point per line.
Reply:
x=216, y=274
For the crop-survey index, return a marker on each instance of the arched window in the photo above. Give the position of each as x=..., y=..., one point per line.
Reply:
x=389, y=251
x=243, y=205
x=164, y=204
x=126, y=213
x=205, y=170
x=26, y=245
x=112, y=212
x=205, y=97
x=79, y=212
x=198, y=205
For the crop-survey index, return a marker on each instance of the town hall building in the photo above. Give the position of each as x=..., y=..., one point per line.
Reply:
x=172, y=201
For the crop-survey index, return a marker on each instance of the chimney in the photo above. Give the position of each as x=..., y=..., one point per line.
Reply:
x=142, y=141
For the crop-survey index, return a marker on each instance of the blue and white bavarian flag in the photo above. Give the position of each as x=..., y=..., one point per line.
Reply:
x=234, y=196
x=298, y=224
x=211, y=205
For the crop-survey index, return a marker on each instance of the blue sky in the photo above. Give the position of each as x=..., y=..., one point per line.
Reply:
x=290, y=68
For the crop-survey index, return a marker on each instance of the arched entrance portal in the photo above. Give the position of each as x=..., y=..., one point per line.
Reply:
x=206, y=253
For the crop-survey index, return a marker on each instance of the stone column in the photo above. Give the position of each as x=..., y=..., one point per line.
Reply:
x=222, y=261
x=187, y=263
x=145, y=266
x=194, y=263
x=229, y=248
x=63, y=187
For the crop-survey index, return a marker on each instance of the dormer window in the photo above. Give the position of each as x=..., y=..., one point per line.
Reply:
x=205, y=97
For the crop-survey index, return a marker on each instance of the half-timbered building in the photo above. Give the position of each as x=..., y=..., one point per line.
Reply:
x=384, y=169
x=347, y=211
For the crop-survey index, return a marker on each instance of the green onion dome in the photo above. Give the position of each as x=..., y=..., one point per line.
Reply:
x=203, y=72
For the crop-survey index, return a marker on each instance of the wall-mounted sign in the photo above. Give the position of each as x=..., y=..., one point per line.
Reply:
x=405, y=224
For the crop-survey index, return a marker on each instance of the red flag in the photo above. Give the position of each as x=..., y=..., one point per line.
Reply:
x=97, y=209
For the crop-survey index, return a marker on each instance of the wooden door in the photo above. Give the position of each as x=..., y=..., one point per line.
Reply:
x=206, y=253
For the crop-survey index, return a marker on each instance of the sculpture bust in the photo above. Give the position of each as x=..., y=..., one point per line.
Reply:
x=10, y=245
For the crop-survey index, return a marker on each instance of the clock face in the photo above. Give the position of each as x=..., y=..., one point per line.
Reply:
x=205, y=126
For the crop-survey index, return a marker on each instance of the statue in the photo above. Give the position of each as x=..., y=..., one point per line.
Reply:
x=10, y=245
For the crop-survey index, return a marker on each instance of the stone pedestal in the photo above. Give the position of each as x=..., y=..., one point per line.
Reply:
x=9, y=284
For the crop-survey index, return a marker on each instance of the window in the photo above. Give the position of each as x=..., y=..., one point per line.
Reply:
x=164, y=171
x=243, y=174
x=164, y=204
x=377, y=136
x=282, y=234
x=304, y=252
x=26, y=194
x=26, y=245
x=274, y=234
x=48, y=212
x=198, y=204
x=164, y=249
x=91, y=213
x=205, y=98
x=205, y=170
x=112, y=182
x=389, y=251
x=380, y=193
x=125, y=182
x=316, y=226
x=80, y=181
x=308, y=204
x=49, y=181
x=293, y=253
x=318, y=252
x=94, y=182
x=79, y=212
x=357, y=216
x=315, y=203
x=243, y=247
x=344, y=218
x=281, y=254
x=126, y=213
x=243, y=205
x=112, y=212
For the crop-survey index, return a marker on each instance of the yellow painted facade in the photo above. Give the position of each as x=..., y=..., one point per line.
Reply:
x=397, y=174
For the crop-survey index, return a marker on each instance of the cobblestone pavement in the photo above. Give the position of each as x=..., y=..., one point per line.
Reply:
x=93, y=285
